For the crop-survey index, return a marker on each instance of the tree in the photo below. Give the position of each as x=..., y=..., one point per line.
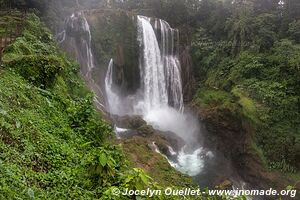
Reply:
x=265, y=34
x=294, y=30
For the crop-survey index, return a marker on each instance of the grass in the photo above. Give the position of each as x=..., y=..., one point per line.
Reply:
x=44, y=132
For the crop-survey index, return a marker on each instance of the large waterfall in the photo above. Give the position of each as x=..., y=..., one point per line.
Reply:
x=159, y=99
x=154, y=81
x=159, y=64
x=161, y=85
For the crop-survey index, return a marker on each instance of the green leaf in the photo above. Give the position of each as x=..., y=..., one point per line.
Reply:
x=128, y=178
x=103, y=159
x=289, y=187
x=144, y=178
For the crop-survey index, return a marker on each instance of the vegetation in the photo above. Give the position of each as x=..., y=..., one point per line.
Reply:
x=137, y=151
x=254, y=57
x=246, y=56
x=53, y=141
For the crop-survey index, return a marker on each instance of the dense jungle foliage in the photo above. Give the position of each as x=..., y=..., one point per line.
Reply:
x=246, y=56
x=253, y=54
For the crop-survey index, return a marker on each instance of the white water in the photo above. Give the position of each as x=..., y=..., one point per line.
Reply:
x=77, y=37
x=120, y=131
x=170, y=119
x=159, y=65
x=163, y=98
x=61, y=37
x=190, y=159
x=169, y=53
x=154, y=82
x=113, y=100
x=90, y=59
x=78, y=22
x=160, y=73
x=189, y=163
x=159, y=99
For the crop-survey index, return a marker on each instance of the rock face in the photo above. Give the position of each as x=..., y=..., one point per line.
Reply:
x=138, y=127
x=114, y=35
x=188, y=81
x=140, y=144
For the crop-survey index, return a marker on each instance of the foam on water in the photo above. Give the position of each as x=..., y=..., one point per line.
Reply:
x=189, y=163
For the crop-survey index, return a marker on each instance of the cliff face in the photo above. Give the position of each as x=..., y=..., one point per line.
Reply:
x=114, y=36
x=188, y=81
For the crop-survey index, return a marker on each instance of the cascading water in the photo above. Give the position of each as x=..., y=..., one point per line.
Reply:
x=76, y=38
x=169, y=52
x=74, y=24
x=159, y=99
x=113, y=100
x=154, y=82
x=159, y=65
x=160, y=72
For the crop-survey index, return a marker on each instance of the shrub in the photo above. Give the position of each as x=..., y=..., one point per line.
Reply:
x=40, y=70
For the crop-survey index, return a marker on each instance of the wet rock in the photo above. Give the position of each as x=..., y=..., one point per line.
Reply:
x=141, y=153
x=188, y=81
x=129, y=122
x=145, y=130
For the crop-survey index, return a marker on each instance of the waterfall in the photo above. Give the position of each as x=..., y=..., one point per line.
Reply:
x=162, y=91
x=154, y=82
x=113, y=100
x=77, y=24
x=169, y=51
x=160, y=73
x=159, y=64
x=76, y=39
x=88, y=44
x=159, y=99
